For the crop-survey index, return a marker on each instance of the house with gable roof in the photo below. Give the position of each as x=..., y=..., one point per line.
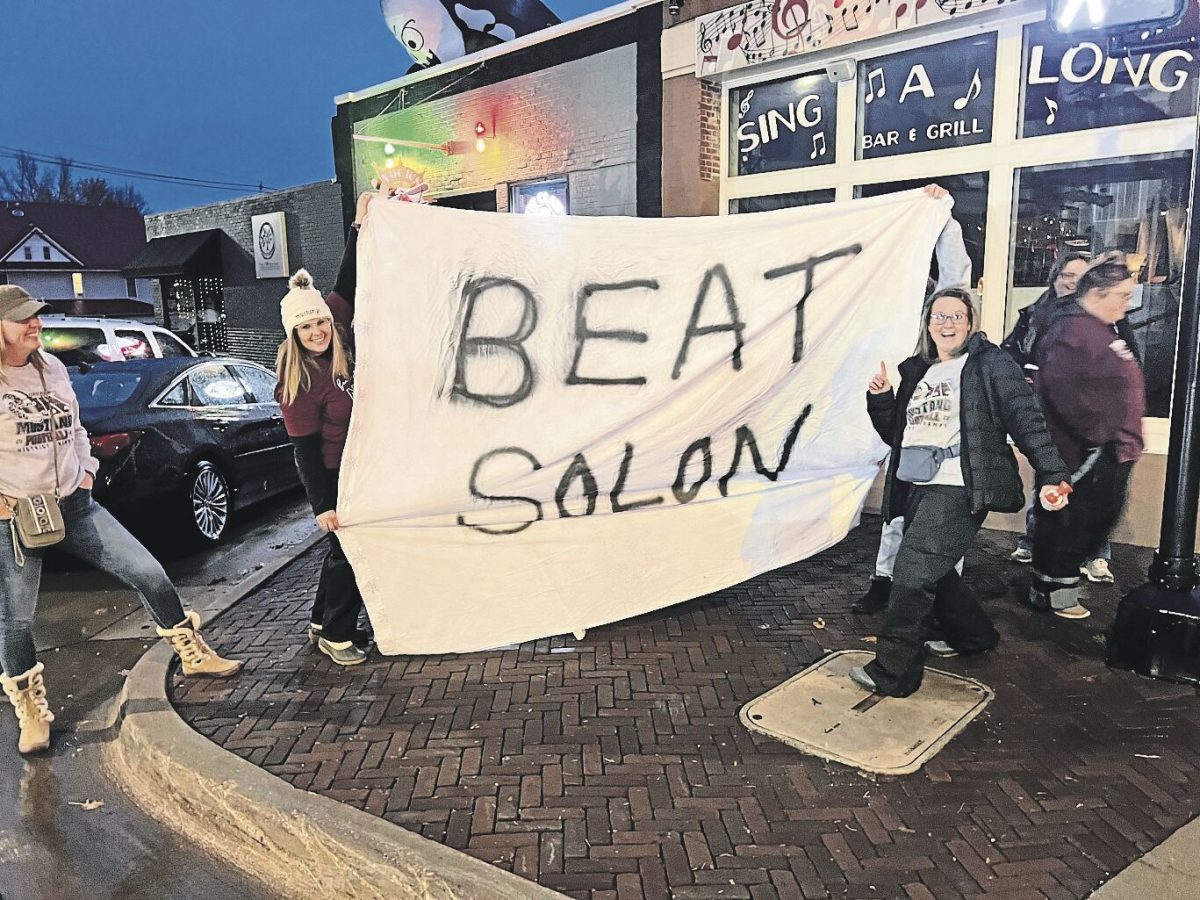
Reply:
x=72, y=256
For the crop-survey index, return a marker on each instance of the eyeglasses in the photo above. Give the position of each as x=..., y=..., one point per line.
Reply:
x=941, y=318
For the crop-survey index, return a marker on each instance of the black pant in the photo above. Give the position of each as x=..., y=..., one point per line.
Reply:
x=1064, y=540
x=939, y=527
x=338, y=601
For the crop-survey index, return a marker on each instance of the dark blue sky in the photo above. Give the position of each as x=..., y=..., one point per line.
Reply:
x=232, y=90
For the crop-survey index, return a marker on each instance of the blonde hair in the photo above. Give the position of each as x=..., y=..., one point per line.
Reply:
x=39, y=362
x=294, y=365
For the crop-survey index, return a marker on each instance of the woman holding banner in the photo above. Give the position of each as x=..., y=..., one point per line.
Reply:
x=316, y=391
x=960, y=396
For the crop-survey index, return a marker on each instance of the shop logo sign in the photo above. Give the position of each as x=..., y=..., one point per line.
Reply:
x=928, y=98
x=269, y=233
x=1071, y=86
x=266, y=240
x=788, y=124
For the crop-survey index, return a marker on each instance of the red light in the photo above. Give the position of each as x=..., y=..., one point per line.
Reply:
x=106, y=446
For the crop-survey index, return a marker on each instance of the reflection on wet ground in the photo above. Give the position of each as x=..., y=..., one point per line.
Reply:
x=67, y=831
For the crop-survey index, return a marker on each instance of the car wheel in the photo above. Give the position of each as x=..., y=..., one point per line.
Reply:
x=209, y=502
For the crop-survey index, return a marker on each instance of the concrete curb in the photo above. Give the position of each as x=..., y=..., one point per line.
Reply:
x=300, y=845
x=1171, y=871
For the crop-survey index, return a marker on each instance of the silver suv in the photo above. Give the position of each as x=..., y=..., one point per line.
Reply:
x=75, y=340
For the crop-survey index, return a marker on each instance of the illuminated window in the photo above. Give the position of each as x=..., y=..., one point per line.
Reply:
x=540, y=198
x=77, y=283
x=1135, y=204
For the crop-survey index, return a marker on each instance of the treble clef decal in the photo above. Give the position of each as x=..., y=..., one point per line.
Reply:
x=744, y=106
x=788, y=17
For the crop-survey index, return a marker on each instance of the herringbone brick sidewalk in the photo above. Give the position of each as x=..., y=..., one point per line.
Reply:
x=615, y=767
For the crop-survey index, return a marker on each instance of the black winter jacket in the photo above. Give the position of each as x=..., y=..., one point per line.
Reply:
x=1021, y=340
x=996, y=401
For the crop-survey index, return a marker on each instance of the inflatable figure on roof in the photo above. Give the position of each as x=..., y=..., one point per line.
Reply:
x=434, y=31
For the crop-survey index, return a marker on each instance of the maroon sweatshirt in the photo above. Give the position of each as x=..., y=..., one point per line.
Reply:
x=1092, y=389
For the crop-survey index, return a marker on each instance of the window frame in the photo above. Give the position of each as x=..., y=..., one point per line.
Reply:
x=517, y=187
x=189, y=392
x=246, y=384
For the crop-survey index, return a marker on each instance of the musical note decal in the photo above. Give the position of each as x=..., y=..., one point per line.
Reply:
x=872, y=91
x=744, y=106
x=818, y=140
x=975, y=89
x=1051, y=105
x=762, y=30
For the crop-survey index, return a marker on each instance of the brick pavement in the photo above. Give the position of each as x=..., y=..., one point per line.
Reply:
x=615, y=768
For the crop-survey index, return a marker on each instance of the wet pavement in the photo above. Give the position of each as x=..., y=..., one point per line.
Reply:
x=65, y=829
x=615, y=767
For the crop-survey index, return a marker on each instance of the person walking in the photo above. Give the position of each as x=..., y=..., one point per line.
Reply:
x=960, y=397
x=314, y=366
x=46, y=472
x=1093, y=392
x=1022, y=340
x=1021, y=344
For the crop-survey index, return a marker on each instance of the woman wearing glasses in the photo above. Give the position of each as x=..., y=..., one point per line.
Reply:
x=960, y=396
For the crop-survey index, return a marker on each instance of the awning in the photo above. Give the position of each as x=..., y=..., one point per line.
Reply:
x=173, y=254
x=118, y=308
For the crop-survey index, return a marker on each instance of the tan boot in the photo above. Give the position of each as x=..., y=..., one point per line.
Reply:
x=28, y=695
x=197, y=657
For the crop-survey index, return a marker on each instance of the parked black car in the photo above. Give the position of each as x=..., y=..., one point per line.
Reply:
x=196, y=436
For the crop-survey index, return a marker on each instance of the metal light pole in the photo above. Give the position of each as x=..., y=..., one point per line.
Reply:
x=1157, y=630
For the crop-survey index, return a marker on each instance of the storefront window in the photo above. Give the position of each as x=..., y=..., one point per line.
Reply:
x=540, y=198
x=1135, y=205
x=970, y=193
x=780, y=201
x=786, y=124
x=1075, y=83
x=928, y=98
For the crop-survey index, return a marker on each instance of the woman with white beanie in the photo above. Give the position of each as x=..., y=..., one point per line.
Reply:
x=316, y=393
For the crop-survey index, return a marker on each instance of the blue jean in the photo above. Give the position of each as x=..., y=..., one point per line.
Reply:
x=95, y=537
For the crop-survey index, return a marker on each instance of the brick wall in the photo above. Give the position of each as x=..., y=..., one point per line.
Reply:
x=710, y=131
x=315, y=240
x=578, y=118
x=690, y=168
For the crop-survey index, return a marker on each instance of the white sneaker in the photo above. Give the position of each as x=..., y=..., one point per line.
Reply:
x=1021, y=555
x=940, y=649
x=1097, y=571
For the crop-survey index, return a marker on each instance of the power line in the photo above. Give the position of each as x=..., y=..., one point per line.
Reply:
x=134, y=174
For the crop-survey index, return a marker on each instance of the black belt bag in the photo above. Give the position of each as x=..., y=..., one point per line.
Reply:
x=920, y=464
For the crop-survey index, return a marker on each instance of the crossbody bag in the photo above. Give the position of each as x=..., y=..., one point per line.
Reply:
x=37, y=521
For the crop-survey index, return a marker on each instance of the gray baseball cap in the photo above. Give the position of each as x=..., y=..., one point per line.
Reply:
x=16, y=305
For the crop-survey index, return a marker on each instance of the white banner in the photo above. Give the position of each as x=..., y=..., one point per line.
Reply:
x=564, y=422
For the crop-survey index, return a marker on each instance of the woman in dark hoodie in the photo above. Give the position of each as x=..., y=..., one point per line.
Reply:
x=1094, y=395
x=1022, y=346
x=960, y=397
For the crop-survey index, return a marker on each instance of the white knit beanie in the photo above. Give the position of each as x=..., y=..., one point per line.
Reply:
x=302, y=303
